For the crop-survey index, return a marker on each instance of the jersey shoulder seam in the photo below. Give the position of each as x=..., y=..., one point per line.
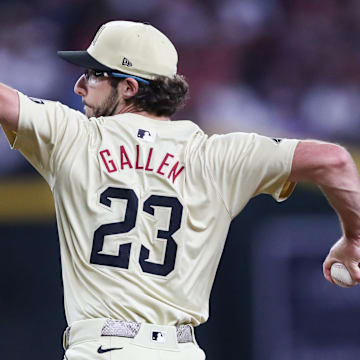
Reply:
x=218, y=191
x=213, y=182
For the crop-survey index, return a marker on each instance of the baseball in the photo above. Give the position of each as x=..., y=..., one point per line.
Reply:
x=341, y=275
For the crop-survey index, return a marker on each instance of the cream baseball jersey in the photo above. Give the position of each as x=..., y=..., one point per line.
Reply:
x=144, y=206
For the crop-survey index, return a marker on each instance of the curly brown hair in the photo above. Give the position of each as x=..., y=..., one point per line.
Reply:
x=162, y=97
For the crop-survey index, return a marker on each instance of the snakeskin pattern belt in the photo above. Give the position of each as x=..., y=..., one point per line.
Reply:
x=130, y=329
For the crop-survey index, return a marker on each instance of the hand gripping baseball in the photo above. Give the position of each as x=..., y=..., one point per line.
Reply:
x=347, y=252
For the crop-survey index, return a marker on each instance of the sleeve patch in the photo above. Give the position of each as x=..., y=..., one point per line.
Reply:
x=36, y=100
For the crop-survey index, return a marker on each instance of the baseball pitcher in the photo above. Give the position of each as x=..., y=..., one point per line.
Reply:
x=144, y=204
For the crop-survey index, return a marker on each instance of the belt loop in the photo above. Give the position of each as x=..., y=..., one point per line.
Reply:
x=66, y=338
x=193, y=334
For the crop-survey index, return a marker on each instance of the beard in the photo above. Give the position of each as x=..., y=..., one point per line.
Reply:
x=106, y=108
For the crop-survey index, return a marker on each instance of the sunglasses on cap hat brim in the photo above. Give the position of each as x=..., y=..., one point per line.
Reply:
x=85, y=60
x=101, y=73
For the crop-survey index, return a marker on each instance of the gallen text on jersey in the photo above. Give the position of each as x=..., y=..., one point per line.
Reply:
x=168, y=166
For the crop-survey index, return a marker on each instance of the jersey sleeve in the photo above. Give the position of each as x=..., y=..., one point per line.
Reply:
x=244, y=165
x=46, y=130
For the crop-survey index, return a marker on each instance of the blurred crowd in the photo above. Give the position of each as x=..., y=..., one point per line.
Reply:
x=284, y=68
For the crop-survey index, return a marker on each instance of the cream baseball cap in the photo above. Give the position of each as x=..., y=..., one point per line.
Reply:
x=128, y=47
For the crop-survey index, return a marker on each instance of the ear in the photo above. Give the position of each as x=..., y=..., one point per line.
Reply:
x=129, y=88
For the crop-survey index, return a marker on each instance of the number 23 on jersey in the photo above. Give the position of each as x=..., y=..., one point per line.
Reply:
x=122, y=259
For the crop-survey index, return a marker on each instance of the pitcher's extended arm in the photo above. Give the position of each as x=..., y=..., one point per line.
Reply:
x=331, y=167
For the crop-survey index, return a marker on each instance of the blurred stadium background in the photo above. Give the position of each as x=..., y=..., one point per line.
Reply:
x=283, y=68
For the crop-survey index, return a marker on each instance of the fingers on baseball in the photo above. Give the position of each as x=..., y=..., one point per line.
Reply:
x=326, y=271
x=354, y=271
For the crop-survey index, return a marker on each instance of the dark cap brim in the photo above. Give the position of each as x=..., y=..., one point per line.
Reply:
x=83, y=59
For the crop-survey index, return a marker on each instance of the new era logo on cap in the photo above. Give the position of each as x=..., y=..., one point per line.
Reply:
x=146, y=135
x=126, y=62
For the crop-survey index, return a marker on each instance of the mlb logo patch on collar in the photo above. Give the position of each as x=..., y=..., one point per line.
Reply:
x=146, y=135
x=158, y=336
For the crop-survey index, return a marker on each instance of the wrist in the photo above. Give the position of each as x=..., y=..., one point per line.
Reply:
x=352, y=238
